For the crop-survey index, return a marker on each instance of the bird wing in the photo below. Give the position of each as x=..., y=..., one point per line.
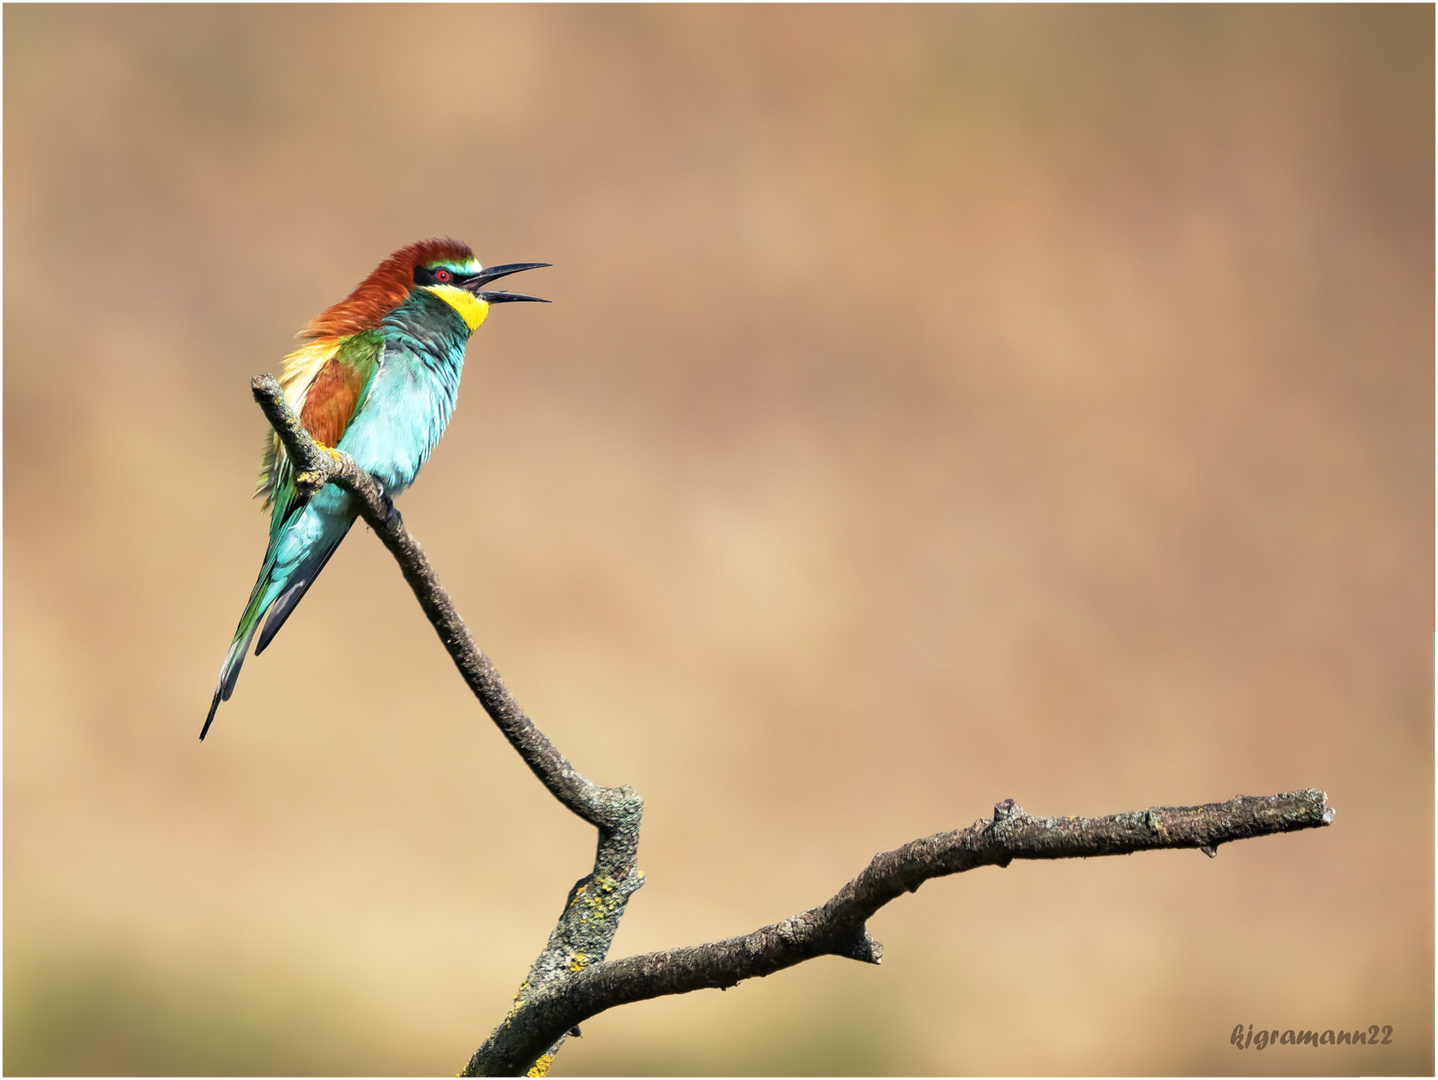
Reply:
x=299, y=373
x=326, y=382
x=339, y=387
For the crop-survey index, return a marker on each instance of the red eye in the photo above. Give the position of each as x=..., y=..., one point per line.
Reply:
x=441, y=275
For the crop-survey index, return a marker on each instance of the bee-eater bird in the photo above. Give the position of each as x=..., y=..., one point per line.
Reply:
x=377, y=379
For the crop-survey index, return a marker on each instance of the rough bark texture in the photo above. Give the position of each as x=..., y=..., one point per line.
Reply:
x=837, y=927
x=571, y=980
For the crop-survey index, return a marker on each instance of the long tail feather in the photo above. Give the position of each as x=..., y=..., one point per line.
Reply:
x=230, y=670
x=240, y=646
x=210, y=718
x=297, y=554
x=299, y=583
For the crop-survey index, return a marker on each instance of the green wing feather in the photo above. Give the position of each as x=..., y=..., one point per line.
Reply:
x=336, y=391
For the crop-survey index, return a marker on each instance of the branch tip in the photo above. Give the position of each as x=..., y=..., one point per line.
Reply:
x=861, y=947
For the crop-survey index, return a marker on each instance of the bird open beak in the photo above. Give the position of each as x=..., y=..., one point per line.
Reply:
x=474, y=282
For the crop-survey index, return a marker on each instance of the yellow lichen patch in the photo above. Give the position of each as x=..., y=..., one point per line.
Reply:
x=578, y=962
x=541, y=1066
x=470, y=307
x=518, y=998
x=606, y=902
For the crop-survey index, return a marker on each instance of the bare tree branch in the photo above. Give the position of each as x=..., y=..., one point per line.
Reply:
x=571, y=980
x=837, y=927
x=605, y=808
x=591, y=916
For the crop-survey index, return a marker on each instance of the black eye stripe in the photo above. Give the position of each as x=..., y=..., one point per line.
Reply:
x=424, y=275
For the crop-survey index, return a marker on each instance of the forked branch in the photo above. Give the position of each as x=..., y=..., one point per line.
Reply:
x=571, y=980
x=837, y=927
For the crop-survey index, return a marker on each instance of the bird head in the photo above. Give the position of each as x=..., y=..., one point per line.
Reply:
x=446, y=268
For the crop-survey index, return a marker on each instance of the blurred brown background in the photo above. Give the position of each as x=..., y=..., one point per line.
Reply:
x=937, y=405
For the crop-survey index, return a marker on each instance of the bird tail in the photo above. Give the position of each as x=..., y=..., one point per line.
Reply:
x=240, y=646
x=277, y=590
x=296, y=585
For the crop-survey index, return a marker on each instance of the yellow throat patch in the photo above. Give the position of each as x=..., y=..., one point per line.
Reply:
x=470, y=307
